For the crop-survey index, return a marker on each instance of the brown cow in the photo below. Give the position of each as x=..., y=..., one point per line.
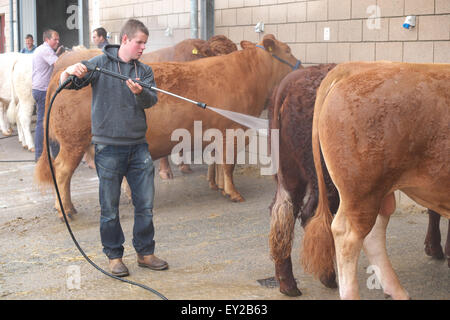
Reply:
x=240, y=81
x=291, y=112
x=188, y=50
x=381, y=127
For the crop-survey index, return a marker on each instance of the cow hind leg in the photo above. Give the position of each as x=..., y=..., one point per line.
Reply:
x=165, y=172
x=432, y=243
x=282, y=223
x=375, y=249
x=126, y=190
x=65, y=164
x=24, y=119
x=447, y=245
x=89, y=156
x=348, y=238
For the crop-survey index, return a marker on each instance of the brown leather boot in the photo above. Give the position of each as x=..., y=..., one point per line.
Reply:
x=152, y=262
x=118, y=268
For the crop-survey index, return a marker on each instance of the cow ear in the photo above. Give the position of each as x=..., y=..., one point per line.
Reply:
x=203, y=50
x=269, y=44
x=247, y=44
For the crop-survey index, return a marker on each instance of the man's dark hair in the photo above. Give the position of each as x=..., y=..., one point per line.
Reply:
x=131, y=27
x=29, y=36
x=101, y=32
x=48, y=34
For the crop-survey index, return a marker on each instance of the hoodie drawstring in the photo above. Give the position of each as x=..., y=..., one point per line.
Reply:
x=135, y=69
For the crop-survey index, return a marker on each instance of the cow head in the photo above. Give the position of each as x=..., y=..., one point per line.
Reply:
x=216, y=46
x=279, y=51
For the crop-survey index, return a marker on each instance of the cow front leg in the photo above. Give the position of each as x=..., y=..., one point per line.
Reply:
x=219, y=176
x=432, y=243
x=212, y=176
x=229, y=188
x=4, y=123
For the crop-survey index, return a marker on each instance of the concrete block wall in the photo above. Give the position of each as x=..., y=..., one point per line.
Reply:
x=358, y=29
x=4, y=10
x=157, y=15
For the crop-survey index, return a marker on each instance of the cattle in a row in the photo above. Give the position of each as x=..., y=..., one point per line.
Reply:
x=240, y=81
x=291, y=111
x=381, y=127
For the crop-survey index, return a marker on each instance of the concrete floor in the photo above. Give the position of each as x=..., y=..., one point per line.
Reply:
x=216, y=249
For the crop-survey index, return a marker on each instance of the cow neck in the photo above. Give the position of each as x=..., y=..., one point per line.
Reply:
x=271, y=69
x=297, y=65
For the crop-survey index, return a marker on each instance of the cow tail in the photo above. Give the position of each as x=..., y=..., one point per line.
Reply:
x=282, y=220
x=318, y=253
x=42, y=173
x=12, y=108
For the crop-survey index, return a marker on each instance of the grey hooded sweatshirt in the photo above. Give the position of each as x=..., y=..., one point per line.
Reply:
x=118, y=116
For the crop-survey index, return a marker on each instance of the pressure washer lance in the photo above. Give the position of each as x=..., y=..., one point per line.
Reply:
x=60, y=88
x=93, y=67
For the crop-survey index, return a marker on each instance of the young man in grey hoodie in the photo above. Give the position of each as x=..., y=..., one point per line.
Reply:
x=118, y=129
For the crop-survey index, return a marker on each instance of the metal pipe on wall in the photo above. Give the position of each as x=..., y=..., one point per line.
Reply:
x=11, y=24
x=80, y=23
x=207, y=16
x=194, y=19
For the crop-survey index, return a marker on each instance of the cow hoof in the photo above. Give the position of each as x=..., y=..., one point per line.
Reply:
x=434, y=251
x=185, y=168
x=69, y=217
x=329, y=281
x=213, y=186
x=291, y=292
x=165, y=175
x=7, y=133
x=237, y=198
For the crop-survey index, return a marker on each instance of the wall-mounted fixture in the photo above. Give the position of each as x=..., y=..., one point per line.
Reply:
x=259, y=27
x=410, y=22
x=168, y=32
x=326, y=34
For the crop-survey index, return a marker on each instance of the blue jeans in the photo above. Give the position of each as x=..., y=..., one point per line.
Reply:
x=135, y=163
x=39, y=97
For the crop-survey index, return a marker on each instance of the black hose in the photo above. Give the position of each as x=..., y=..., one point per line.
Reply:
x=60, y=88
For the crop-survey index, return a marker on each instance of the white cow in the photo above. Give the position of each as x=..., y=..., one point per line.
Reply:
x=15, y=90
x=21, y=107
x=7, y=61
